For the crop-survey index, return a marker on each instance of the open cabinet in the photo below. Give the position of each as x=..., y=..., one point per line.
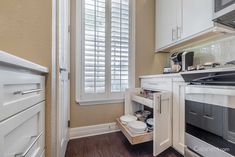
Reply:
x=161, y=103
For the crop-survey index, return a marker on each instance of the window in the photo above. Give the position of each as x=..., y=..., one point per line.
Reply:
x=105, y=50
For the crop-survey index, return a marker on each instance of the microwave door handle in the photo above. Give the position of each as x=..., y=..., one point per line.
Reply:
x=212, y=77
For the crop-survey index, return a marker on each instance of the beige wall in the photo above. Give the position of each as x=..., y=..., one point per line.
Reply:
x=25, y=31
x=147, y=62
x=88, y=115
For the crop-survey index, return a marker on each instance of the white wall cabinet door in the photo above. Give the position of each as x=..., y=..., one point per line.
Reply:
x=178, y=116
x=162, y=136
x=179, y=20
x=166, y=23
x=196, y=17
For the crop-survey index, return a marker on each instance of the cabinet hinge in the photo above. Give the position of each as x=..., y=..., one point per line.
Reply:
x=69, y=123
x=69, y=76
x=69, y=28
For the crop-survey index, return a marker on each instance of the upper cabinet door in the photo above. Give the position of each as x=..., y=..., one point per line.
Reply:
x=162, y=122
x=196, y=17
x=166, y=23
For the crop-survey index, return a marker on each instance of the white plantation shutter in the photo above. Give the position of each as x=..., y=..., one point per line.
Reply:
x=94, y=46
x=119, y=45
x=105, y=52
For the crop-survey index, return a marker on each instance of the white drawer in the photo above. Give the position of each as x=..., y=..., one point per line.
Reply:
x=23, y=133
x=157, y=84
x=19, y=91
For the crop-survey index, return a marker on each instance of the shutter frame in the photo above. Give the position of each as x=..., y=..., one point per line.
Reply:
x=120, y=45
x=125, y=56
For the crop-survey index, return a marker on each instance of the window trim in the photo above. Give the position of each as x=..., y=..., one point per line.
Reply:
x=117, y=97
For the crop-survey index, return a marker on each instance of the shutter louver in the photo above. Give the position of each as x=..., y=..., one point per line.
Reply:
x=105, y=49
x=94, y=46
x=119, y=45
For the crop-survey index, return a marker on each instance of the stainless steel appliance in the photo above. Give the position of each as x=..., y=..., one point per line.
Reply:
x=181, y=61
x=187, y=60
x=224, y=12
x=210, y=113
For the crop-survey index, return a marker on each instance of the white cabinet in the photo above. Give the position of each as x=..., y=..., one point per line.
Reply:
x=161, y=103
x=180, y=22
x=172, y=119
x=178, y=115
x=196, y=17
x=19, y=93
x=22, y=107
x=166, y=22
x=162, y=136
x=157, y=83
x=23, y=134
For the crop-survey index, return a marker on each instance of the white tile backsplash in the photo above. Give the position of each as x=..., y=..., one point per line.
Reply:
x=220, y=50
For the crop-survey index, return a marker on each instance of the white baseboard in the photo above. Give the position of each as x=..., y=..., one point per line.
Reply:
x=93, y=130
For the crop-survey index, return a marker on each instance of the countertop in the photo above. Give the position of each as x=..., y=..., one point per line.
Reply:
x=161, y=75
x=17, y=62
x=174, y=75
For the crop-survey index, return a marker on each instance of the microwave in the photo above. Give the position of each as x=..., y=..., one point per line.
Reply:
x=224, y=12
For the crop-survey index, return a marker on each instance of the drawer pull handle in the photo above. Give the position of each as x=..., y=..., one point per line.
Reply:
x=27, y=92
x=159, y=104
x=178, y=32
x=160, y=100
x=30, y=146
x=193, y=113
x=208, y=117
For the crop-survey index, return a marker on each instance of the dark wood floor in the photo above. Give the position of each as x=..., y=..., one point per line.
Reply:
x=112, y=145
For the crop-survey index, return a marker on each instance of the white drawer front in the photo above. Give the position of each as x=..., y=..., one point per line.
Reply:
x=157, y=84
x=19, y=93
x=23, y=133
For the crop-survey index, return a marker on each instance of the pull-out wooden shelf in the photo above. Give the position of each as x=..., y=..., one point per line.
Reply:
x=144, y=101
x=134, y=138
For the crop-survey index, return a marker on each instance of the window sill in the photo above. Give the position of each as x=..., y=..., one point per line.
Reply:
x=99, y=102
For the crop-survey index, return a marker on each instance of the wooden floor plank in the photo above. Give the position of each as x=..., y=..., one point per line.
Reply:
x=112, y=145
